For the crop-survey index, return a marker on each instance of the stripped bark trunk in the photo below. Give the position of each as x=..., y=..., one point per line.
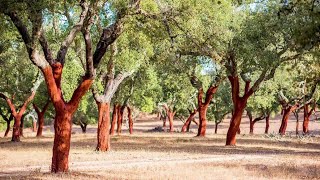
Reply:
x=186, y=125
x=203, y=106
x=120, y=118
x=170, y=115
x=252, y=123
x=306, y=118
x=130, y=120
x=114, y=119
x=17, y=115
x=40, y=114
x=103, y=127
x=285, y=118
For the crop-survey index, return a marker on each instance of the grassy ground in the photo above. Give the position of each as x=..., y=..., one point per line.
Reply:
x=162, y=155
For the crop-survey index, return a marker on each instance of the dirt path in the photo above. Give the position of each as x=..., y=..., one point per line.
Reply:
x=138, y=163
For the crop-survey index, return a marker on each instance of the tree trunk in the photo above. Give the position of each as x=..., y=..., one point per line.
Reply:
x=114, y=119
x=103, y=127
x=41, y=117
x=83, y=127
x=216, y=127
x=235, y=122
x=202, y=120
x=187, y=124
x=16, y=129
x=306, y=119
x=170, y=117
x=266, y=131
x=250, y=120
x=296, y=114
x=130, y=120
x=40, y=124
x=62, y=137
x=284, y=122
x=8, y=129
x=120, y=118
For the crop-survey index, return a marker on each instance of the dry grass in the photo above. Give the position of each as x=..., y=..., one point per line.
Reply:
x=147, y=155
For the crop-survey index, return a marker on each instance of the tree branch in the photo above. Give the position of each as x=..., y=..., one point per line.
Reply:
x=72, y=34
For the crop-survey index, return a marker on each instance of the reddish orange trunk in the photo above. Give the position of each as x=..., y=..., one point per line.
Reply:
x=235, y=122
x=16, y=129
x=103, y=127
x=306, y=118
x=62, y=137
x=120, y=118
x=203, y=106
x=186, y=125
x=130, y=120
x=114, y=119
x=64, y=112
x=170, y=117
x=202, y=120
x=266, y=131
x=40, y=115
x=284, y=122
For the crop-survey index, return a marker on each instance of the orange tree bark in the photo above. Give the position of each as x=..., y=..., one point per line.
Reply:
x=17, y=115
x=284, y=122
x=170, y=114
x=130, y=120
x=40, y=114
x=239, y=104
x=114, y=118
x=188, y=121
x=252, y=123
x=52, y=68
x=203, y=105
x=103, y=127
x=306, y=118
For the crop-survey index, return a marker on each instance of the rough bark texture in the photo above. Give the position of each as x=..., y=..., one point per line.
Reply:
x=103, y=127
x=187, y=124
x=114, y=119
x=130, y=120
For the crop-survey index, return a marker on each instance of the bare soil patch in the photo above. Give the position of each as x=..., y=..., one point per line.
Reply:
x=163, y=155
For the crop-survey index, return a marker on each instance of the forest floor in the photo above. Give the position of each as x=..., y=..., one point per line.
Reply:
x=148, y=154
